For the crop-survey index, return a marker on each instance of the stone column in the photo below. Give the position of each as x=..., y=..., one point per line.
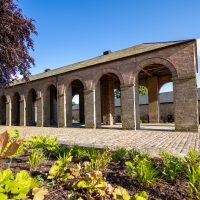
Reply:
x=81, y=106
x=90, y=109
x=129, y=107
x=22, y=111
x=39, y=110
x=61, y=108
x=153, y=94
x=108, y=107
x=186, y=104
x=8, y=112
x=69, y=106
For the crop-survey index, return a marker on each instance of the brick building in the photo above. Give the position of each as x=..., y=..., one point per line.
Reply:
x=46, y=100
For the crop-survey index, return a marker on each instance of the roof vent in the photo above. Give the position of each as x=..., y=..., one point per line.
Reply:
x=46, y=70
x=107, y=52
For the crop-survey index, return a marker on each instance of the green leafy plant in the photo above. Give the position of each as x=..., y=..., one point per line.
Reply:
x=99, y=160
x=93, y=183
x=120, y=193
x=78, y=152
x=60, y=168
x=141, y=196
x=44, y=143
x=142, y=171
x=15, y=187
x=192, y=157
x=119, y=154
x=36, y=158
x=193, y=176
x=173, y=168
x=134, y=155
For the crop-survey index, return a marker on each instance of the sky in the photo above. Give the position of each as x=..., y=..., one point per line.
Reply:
x=70, y=31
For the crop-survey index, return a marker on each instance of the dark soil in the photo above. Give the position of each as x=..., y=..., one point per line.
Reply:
x=115, y=174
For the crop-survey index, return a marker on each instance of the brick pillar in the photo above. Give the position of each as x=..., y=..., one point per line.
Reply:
x=39, y=110
x=129, y=107
x=8, y=112
x=98, y=104
x=186, y=105
x=153, y=94
x=69, y=106
x=108, y=107
x=81, y=106
x=22, y=111
x=90, y=109
x=61, y=108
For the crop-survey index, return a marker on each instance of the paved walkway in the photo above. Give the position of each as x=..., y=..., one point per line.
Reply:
x=151, y=138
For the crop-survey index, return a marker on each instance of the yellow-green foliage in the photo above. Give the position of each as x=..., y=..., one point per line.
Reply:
x=59, y=169
x=18, y=187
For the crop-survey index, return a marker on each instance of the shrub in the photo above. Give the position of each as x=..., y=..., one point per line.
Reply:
x=173, y=168
x=142, y=171
x=119, y=154
x=36, y=158
x=15, y=187
x=44, y=143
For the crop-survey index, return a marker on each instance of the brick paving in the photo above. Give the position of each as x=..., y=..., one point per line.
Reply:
x=151, y=138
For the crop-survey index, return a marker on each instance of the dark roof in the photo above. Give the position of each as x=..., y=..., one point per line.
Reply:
x=138, y=49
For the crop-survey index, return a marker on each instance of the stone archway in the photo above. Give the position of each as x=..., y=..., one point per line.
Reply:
x=106, y=87
x=3, y=110
x=75, y=92
x=31, y=108
x=153, y=75
x=16, y=109
x=50, y=107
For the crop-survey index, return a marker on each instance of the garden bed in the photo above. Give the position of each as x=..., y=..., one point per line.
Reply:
x=115, y=174
x=42, y=168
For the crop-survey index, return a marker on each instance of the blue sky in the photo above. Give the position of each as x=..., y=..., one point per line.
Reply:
x=74, y=30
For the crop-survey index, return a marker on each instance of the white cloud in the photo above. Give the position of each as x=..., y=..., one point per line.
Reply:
x=198, y=47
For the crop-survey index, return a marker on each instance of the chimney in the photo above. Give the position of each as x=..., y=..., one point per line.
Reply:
x=107, y=52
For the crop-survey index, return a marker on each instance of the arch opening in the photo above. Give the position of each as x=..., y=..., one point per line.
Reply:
x=166, y=103
x=153, y=77
x=16, y=109
x=3, y=110
x=77, y=102
x=110, y=99
x=31, y=109
x=50, y=107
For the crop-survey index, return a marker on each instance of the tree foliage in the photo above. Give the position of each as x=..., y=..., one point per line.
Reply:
x=142, y=91
x=15, y=42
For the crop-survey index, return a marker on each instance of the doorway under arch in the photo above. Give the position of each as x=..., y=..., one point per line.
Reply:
x=16, y=109
x=50, y=107
x=77, y=100
x=153, y=77
x=31, y=108
x=108, y=90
